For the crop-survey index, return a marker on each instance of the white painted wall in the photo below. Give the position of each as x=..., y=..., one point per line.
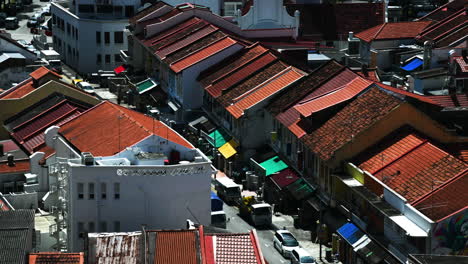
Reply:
x=86, y=44
x=192, y=92
x=267, y=14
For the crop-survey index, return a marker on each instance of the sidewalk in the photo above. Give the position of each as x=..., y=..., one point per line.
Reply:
x=281, y=221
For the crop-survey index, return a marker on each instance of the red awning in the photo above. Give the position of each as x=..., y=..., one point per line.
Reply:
x=119, y=69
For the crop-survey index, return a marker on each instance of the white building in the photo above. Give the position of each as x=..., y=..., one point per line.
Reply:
x=155, y=177
x=89, y=34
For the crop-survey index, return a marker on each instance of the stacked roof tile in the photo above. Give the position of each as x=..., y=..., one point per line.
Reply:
x=410, y=164
x=397, y=30
x=15, y=229
x=455, y=100
x=447, y=199
x=352, y=120
x=56, y=258
x=174, y=247
x=107, y=129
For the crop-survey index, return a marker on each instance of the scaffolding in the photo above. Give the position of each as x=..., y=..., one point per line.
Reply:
x=58, y=172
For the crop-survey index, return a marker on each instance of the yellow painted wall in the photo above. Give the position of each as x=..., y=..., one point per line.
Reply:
x=11, y=107
x=355, y=172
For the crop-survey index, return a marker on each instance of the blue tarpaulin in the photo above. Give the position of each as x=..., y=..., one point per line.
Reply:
x=413, y=64
x=350, y=233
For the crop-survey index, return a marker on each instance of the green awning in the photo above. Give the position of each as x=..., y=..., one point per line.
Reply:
x=219, y=138
x=300, y=189
x=145, y=86
x=273, y=165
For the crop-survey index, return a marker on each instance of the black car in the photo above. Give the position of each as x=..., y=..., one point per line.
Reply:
x=32, y=23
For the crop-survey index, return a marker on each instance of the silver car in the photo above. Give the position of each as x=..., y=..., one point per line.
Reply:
x=285, y=242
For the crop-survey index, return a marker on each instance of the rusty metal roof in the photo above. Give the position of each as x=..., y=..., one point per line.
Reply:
x=115, y=248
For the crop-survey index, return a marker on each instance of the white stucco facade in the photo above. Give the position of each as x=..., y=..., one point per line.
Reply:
x=267, y=14
x=124, y=191
x=76, y=37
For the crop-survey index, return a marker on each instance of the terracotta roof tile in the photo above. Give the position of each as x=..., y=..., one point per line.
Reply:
x=412, y=174
x=41, y=72
x=202, y=54
x=456, y=100
x=340, y=95
x=422, y=98
x=181, y=43
x=462, y=63
x=174, y=33
x=297, y=92
x=454, y=38
x=441, y=29
x=224, y=84
x=445, y=10
x=56, y=258
x=175, y=247
x=252, y=81
x=353, y=119
x=260, y=93
x=446, y=200
x=107, y=129
x=234, y=248
x=198, y=45
x=370, y=75
x=19, y=90
x=397, y=30
x=19, y=166
x=146, y=11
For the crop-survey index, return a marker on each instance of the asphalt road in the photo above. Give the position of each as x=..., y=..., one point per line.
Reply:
x=23, y=32
x=237, y=224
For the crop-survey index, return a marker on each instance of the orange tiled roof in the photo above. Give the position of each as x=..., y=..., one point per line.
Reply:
x=19, y=90
x=263, y=91
x=19, y=166
x=202, y=54
x=56, y=258
x=446, y=200
x=41, y=72
x=176, y=247
x=340, y=95
x=352, y=120
x=233, y=248
x=398, y=30
x=107, y=129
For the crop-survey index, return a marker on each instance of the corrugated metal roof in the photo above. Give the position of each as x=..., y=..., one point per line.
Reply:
x=117, y=248
x=56, y=258
x=202, y=54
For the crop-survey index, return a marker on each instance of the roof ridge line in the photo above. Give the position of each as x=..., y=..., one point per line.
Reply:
x=12, y=89
x=183, y=37
x=378, y=31
x=401, y=156
x=86, y=111
x=342, y=68
x=256, y=88
x=330, y=92
x=256, y=246
x=178, y=30
x=445, y=33
x=202, y=48
x=443, y=21
x=251, y=60
x=132, y=119
x=41, y=114
x=440, y=187
x=69, y=112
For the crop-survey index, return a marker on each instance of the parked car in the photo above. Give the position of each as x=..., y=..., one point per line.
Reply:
x=85, y=86
x=46, y=10
x=11, y=23
x=32, y=23
x=285, y=242
x=301, y=256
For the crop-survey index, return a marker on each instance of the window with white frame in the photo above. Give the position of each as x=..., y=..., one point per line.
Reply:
x=231, y=7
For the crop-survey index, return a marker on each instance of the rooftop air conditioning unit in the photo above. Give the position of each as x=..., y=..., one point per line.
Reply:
x=87, y=158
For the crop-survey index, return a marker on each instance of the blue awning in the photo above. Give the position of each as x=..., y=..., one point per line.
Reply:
x=350, y=233
x=413, y=64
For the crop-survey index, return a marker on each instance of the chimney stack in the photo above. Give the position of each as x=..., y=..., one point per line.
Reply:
x=11, y=160
x=427, y=55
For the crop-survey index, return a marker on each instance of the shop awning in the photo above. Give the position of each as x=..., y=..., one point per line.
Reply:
x=145, y=85
x=350, y=233
x=120, y=69
x=413, y=64
x=284, y=178
x=228, y=149
x=300, y=189
x=219, y=138
x=273, y=165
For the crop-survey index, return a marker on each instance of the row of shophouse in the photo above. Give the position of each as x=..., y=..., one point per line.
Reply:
x=382, y=166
